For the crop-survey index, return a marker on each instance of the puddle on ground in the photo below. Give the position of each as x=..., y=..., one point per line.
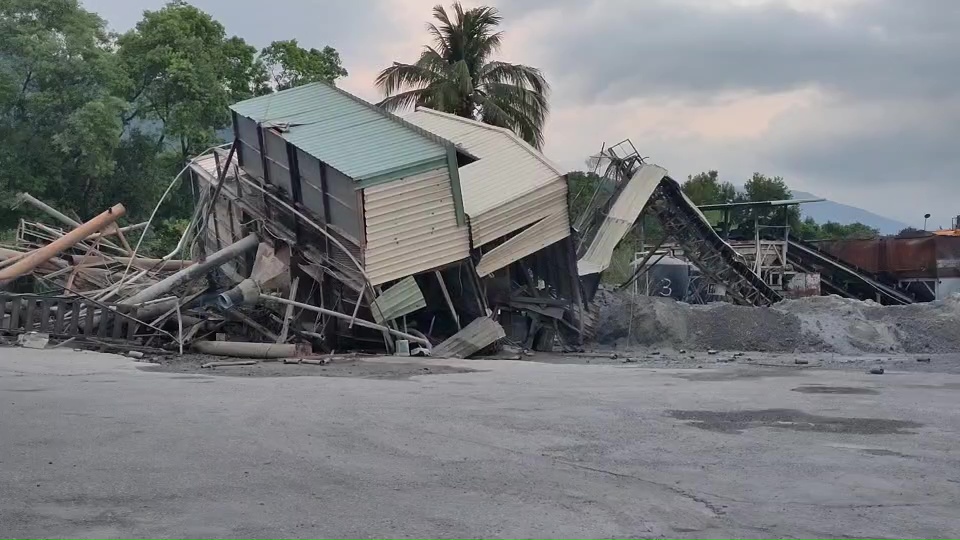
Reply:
x=947, y=386
x=737, y=421
x=882, y=452
x=717, y=375
x=850, y=390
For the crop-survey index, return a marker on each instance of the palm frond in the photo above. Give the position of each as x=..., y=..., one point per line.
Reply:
x=400, y=76
x=454, y=74
x=439, y=40
x=407, y=100
x=480, y=35
x=525, y=110
x=515, y=74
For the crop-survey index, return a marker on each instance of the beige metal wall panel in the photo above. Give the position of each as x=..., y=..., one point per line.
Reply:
x=411, y=227
x=475, y=336
x=403, y=298
x=516, y=214
x=538, y=236
x=508, y=168
x=624, y=212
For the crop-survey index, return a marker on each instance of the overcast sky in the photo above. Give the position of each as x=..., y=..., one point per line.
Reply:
x=854, y=100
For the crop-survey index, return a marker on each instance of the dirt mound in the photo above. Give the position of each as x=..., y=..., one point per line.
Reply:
x=817, y=324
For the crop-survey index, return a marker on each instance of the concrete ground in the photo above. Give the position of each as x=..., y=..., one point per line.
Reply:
x=93, y=446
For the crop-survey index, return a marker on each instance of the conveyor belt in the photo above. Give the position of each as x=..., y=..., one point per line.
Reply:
x=718, y=262
x=843, y=278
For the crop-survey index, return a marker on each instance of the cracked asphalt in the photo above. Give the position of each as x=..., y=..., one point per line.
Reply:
x=94, y=446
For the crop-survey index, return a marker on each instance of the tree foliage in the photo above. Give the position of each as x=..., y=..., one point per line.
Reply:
x=457, y=75
x=771, y=220
x=811, y=230
x=706, y=188
x=180, y=72
x=88, y=119
x=59, y=121
x=290, y=65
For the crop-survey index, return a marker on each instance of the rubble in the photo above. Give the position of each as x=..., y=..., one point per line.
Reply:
x=814, y=324
x=298, y=244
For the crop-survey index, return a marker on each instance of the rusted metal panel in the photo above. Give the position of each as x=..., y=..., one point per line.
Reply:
x=902, y=258
x=477, y=335
x=411, y=227
x=948, y=256
x=403, y=298
x=802, y=285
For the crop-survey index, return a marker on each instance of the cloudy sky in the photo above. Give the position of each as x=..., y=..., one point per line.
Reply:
x=855, y=100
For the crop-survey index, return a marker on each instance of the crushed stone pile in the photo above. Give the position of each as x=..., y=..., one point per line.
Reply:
x=815, y=324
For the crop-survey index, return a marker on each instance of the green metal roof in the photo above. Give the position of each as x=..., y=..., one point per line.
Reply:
x=358, y=139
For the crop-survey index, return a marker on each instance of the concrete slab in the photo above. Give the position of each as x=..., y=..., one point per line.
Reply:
x=92, y=446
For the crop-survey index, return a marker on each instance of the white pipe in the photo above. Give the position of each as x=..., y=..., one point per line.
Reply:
x=192, y=272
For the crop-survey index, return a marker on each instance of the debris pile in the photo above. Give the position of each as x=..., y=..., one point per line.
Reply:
x=814, y=324
x=308, y=236
x=331, y=225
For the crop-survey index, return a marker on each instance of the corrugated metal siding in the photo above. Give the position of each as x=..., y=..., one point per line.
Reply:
x=624, y=212
x=475, y=336
x=351, y=135
x=536, y=237
x=412, y=227
x=510, y=179
x=518, y=213
x=403, y=298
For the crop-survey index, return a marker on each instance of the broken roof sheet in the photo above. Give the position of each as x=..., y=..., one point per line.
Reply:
x=508, y=167
x=356, y=138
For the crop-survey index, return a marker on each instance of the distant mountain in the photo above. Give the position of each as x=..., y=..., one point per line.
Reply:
x=844, y=214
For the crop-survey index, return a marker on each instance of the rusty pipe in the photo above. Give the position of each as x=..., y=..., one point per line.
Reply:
x=39, y=256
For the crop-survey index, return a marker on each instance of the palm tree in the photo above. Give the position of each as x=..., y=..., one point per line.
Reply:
x=456, y=75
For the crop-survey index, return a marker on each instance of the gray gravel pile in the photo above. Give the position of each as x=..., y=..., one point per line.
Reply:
x=817, y=324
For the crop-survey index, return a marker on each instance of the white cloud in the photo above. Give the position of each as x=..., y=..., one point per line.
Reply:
x=849, y=99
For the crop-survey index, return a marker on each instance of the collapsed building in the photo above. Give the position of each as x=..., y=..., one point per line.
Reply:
x=332, y=223
x=429, y=222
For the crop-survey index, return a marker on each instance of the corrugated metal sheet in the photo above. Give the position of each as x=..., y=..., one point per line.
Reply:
x=475, y=336
x=509, y=186
x=412, y=227
x=624, y=212
x=403, y=298
x=518, y=213
x=533, y=239
x=351, y=135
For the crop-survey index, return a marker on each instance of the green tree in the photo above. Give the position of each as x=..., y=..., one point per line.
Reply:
x=183, y=72
x=581, y=187
x=706, y=188
x=760, y=188
x=246, y=74
x=290, y=65
x=456, y=75
x=852, y=231
x=911, y=232
x=59, y=121
x=808, y=229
